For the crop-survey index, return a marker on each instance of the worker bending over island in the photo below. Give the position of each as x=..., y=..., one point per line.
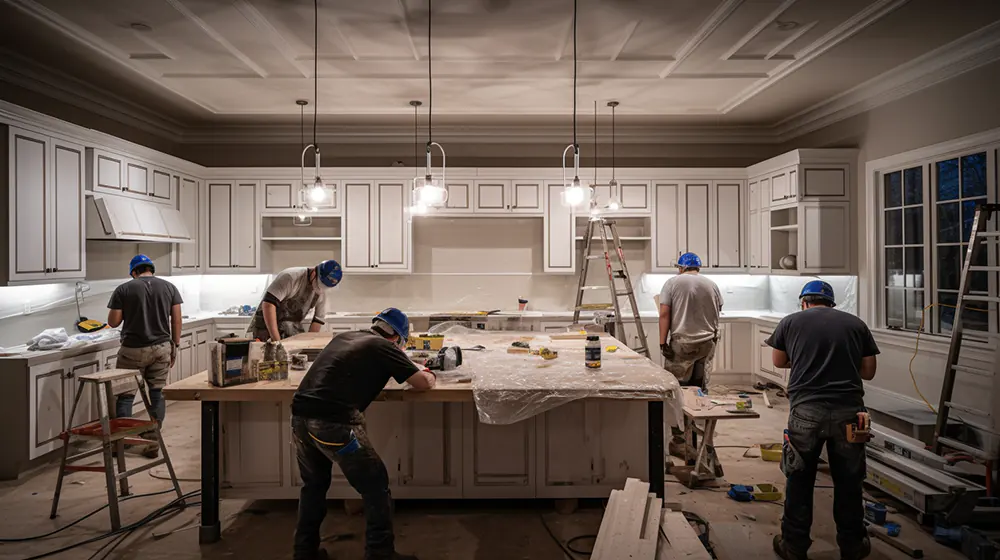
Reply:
x=290, y=297
x=689, y=322
x=830, y=352
x=149, y=310
x=328, y=423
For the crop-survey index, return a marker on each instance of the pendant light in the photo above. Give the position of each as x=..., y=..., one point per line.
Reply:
x=574, y=192
x=429, y=191
x=302, y=219
x=418, y=206
x=313, y=194
x=614, y=203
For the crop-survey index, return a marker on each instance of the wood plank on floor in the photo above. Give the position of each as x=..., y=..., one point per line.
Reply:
x=680, y=540
x=624, y=529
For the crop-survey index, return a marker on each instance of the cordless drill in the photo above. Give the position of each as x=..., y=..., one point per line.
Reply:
x=860, y=431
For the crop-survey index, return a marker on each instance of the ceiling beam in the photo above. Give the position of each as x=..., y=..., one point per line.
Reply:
x=262, y=24
x=629, y=31
x=715, y=19
x=217, y=37
x=405, y=22
x=761, y=26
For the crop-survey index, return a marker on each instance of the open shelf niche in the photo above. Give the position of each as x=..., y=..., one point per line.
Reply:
x=629, y=229
x=784, y=236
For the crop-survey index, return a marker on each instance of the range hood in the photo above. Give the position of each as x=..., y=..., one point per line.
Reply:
x=116, y=218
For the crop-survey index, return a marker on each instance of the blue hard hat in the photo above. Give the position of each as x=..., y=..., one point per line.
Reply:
x=138, y=261
x=329, y=273
x=689, y=260
x=397, y=320
x=818, y=288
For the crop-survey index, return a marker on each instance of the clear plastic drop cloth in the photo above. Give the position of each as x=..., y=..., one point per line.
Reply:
x=512, y=386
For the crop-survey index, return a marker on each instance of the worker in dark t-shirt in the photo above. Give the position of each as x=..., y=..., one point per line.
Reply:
x=830, y=352
x=329, y=427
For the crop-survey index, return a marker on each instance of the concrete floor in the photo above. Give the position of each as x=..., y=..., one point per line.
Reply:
x=490, y=530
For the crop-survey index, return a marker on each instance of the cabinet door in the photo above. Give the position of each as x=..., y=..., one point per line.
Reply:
x=109, y=171
x=161, y=185
x=256, y=439
x=765, y=240
x=46, y=412
x=754, y=239
x=560, y=246
x=780, y=186
x=491, y=196
x=392, y=226
x=459, y=197
x=764, y=353
x=136, y=177
x=634, y=196
x=666, y=230
x=526, y=197
x=185, y=359
x=696, y=221
x=28, y=235
x=220, y=197
x=824, y=233
x=728, y=226
x=753, y=190
x=765, y=194
x=430, y=450
x=188, y=255
x=86, y=410
x=278, y=195
x=67, y=246
x=499, y=460
x=358, y=217
x=568, y=453
x=201, y=352
x=602, y=195
x=244, y=225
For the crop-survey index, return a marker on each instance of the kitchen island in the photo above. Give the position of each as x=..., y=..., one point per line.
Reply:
x=500, y=426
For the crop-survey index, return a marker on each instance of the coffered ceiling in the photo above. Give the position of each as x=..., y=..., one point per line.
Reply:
x=755, y=64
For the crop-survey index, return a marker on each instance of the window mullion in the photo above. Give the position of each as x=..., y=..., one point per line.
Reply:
x=930, y=265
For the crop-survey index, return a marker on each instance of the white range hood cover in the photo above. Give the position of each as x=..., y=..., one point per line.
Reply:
x=124, y=219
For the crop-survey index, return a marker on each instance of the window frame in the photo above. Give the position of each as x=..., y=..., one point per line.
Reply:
x=926, y=159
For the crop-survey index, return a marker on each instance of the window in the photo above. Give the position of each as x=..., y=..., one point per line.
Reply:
x=927, y=211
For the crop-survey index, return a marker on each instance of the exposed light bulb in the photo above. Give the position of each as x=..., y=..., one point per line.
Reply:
x=302, y=217
x=613, y=205
x=574, y=194
x=419, y=208
x=317, y=192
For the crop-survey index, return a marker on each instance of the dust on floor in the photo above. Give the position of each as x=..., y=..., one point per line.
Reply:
x=476, y=530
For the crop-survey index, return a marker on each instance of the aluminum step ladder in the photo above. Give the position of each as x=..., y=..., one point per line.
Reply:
x=985, y=231
x=609, y=232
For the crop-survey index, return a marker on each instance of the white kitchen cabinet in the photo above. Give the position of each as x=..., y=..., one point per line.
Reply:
x=278, y=195
x=255, y=434
x=765, y=365
x=667, y=235
x=45, y=388
x=188, y=256
x=45, y=215
x=726, y=226
x=87, y=409
x=161, y=184
x=202, y=349
x=634, y=198
x=184, y=363
x=824, y=235
x=559, y=251
x=499, y=460
x=105, y=171
x=509, y=197
x=695, y=220
x=460, y=198
x=137, y=175
x=233, y=223
x=377, y=227
x=430, y=450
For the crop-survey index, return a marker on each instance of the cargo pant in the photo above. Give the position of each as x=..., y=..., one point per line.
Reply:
x=690, y=362
x=810, y=427
x=319, y=444
x=154, y=363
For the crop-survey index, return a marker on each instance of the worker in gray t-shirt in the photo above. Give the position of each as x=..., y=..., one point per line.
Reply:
x=689, y=322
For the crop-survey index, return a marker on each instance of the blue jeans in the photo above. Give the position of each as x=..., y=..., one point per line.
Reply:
x=318, y=445
x=810, y=427
x=123, y=405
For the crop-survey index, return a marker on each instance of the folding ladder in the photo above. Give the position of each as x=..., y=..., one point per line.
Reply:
x=985, y=230
x=609, y=231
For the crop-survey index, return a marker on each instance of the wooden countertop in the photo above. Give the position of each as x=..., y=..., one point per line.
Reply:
x=624, y=374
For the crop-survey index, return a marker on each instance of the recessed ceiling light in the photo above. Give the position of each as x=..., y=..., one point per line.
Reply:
x=786, y=25
x=140, y=27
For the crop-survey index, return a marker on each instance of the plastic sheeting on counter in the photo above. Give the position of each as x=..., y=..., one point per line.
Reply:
x=508, y=388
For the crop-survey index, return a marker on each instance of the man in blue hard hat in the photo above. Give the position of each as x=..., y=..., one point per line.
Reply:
x=149, y=310
x=291, y=296
x=690, y=305
x=830, y=354
x=328, y=423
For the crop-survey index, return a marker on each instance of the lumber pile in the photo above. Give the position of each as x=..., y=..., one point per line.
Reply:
x=635, y=527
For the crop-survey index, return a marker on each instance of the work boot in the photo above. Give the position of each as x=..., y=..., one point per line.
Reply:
x=785, y=553
x=152, y=449
x=863, y=552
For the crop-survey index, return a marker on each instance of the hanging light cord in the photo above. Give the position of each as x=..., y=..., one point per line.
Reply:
x=430, y=81
x=576, y=147
x=315, y=68
x=612, y=142
x=302, y=128
x=416, y=141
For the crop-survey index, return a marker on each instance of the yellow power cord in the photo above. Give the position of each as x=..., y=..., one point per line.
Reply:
x=916, y=347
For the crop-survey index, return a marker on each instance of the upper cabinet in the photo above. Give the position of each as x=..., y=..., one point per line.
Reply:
x=704, y=217
x=559, y=245
x=506, y=197
x=634, y=198
x=189, y=257
x=233, y=226
x=376, y=227
x=45, y=223
x=282, y=196
x=113, y=173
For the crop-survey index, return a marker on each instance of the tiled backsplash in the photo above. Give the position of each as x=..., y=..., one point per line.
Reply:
x=52, y=305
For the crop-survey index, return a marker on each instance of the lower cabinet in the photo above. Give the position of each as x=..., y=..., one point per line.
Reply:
x=430, y=446
x=86, y=409
x=765, y=369
x=45, y=387
x=499, y=460
x=254, y=433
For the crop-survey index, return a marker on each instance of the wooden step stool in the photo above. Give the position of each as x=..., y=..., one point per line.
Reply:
x=113, y=433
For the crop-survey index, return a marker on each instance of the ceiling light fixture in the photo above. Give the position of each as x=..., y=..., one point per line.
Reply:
x=315, y=193
x=614, y=203
x=786, y=25
x=430, y=191
x=302, y=219
x=140, y=27
x=574, y=192
x=419, y=207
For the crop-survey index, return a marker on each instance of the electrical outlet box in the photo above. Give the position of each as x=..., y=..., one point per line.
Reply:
x=27, y=307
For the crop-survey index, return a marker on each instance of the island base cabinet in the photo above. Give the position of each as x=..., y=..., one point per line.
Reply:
x=498, y=459
x=253, y=434
x=430, y=461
